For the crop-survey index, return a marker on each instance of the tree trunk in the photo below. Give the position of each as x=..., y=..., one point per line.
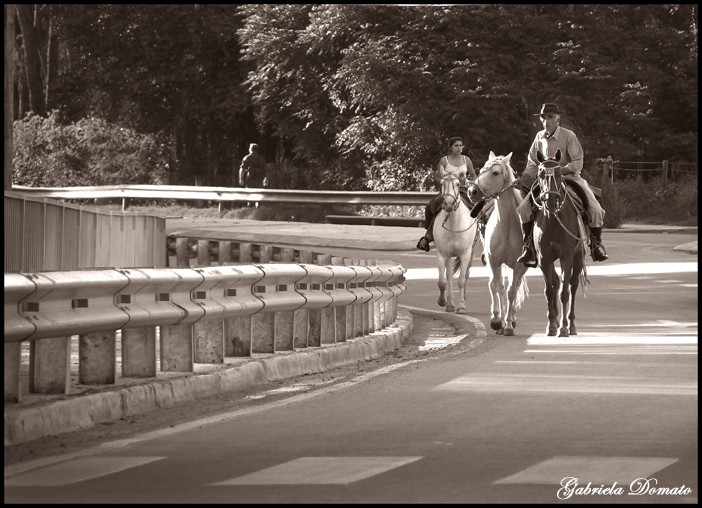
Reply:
x=32, y=59
x=52, y=61
x=9, y=92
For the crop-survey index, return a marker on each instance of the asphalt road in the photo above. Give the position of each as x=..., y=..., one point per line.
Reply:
x=608, y=416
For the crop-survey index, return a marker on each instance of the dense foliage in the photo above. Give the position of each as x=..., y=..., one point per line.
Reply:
x=365, y=95
x=89, y=151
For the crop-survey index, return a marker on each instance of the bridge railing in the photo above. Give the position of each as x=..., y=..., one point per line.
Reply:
x=227, y=194
x=200, y=315
x=204, y=299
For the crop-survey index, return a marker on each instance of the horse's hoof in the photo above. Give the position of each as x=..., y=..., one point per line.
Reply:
x=573, y=331
x=442, y=302
x=496, y=325
x=461, y=311
x=501, y=331
x=450, y=308
x=509, y=331
x=563, y=333
x=551, y=332
x=514, y=324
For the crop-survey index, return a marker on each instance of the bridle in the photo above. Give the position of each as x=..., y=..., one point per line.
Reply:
x=550, y=177
x=486, y=167
x=454, y=194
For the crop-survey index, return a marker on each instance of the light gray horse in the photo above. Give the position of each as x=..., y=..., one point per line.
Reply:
x=503, y=241
x=455, y=233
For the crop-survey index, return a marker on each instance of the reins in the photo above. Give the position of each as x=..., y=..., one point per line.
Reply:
x=456, y=204
x=543, y=197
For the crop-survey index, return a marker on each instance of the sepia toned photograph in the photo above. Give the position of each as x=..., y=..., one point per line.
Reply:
x=351, y=253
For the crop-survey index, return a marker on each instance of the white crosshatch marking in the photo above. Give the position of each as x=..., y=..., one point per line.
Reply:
x=75, y=470
x=321, y=471
x=598, y=470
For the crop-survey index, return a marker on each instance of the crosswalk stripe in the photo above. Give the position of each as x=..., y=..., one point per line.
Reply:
x=75, y=470
x=599, y=470
x=553, y=384
x=320, y=471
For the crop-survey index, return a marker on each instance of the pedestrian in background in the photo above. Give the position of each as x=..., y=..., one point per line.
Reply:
x=252, y=173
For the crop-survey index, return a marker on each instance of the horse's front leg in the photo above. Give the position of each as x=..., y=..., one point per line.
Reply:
x=574, y=284
x=566, y=273
x=497, y=293
x=450, y=304
x=463, y=285
x=551, y=282
x=441, y=264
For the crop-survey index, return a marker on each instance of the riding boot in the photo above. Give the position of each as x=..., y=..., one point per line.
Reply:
x=477, y=208
x=423, y=243
x=430, y=212
x=481, y=230
x=528, y=256
x=597, y=250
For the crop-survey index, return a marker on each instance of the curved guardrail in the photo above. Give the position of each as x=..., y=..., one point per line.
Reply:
x=201, y=314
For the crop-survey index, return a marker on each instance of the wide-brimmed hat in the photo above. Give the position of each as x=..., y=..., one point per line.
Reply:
x=549, y=108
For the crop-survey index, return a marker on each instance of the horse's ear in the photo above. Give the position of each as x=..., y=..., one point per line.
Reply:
x=492, y=155
x=539, y=156
x=508, y=157
x=558, y=155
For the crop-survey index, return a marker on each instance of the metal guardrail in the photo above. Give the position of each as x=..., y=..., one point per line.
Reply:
x=55, y=304
x=223, y=194
x=239, y=307
x=201, y=314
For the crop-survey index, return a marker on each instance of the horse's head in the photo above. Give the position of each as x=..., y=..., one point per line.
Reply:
x=493, y=178
x=450, y=195
x=552, y=192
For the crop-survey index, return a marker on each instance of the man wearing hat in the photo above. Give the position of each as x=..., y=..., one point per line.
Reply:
x=548, y=141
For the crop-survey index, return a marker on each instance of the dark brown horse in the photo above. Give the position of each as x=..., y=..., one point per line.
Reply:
x=559, y=235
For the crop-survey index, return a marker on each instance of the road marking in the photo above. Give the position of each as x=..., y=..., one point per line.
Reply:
x=20, y=467
x=598, y=470
x=76, y=470
x=321, y=471
x=552, y=384
x=684, y=341
x=660, y=322
x=616, y=270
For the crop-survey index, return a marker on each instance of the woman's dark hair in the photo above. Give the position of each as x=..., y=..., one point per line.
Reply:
x=453, y=140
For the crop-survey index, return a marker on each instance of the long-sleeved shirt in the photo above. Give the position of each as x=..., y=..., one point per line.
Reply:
x=571, y=151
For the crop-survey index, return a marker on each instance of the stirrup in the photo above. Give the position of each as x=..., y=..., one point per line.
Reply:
x=423, y=244
x=598, y=253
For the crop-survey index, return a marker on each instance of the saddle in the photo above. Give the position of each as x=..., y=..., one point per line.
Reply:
x=579, y=199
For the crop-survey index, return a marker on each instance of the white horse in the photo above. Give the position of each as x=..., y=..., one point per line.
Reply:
x=455, y=233
x=503, y=241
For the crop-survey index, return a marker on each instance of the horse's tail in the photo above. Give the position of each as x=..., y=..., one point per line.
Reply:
x=522, y=293
x=584, y=281
x=456, y=267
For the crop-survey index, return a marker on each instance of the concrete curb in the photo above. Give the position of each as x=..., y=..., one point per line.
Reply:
x=26, y=424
